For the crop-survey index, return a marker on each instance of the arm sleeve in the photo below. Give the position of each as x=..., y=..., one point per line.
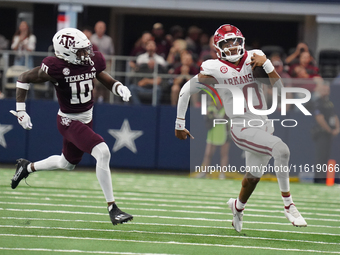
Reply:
x=279, y=85
x=189, y=88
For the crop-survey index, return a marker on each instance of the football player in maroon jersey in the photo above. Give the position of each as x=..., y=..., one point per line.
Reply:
x=72, y=71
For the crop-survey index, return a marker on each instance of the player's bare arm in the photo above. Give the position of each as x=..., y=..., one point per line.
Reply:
x=35, y=75
x=106, y=80
x=113, y=85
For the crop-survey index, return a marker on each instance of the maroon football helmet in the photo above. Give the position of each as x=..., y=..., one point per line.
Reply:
x=229, y=43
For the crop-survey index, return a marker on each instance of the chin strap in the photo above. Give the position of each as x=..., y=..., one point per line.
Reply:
x=233, y=58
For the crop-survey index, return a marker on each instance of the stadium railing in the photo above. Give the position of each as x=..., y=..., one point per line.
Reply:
x=117, y=66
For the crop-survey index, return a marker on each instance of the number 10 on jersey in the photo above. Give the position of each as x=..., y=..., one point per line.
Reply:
x=83, y=93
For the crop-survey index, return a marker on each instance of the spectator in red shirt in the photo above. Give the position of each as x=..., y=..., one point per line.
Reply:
x=305, y=61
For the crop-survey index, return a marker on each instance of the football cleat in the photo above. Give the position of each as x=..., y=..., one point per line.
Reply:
x=293, y=215
x=21, y=172
x=237, y=215
x=117, y=216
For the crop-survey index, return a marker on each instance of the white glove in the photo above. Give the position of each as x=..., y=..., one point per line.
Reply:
x=124, y=92
x=23, y=118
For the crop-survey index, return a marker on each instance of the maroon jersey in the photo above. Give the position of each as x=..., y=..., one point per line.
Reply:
x=74, y=82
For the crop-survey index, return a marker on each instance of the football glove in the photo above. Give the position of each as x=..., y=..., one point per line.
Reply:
x=23, y=118
x=124, y=92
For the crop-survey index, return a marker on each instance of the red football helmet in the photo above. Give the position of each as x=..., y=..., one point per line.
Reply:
x=227, y=40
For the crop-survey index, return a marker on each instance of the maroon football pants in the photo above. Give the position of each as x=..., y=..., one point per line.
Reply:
x=77, y=138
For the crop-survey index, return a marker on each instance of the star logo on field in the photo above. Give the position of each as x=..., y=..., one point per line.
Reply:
x=125, y=137
x=3, y=130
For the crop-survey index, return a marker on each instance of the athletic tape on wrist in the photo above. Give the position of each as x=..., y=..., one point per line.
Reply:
x=21, y=106
x=114, y=87
x=23, y=85
x=268, y=66
x=180, y=124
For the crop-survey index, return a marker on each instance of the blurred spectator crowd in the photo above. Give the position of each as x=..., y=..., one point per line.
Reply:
x=177, y=54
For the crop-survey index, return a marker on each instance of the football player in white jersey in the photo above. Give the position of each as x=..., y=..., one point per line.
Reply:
x=235, y=67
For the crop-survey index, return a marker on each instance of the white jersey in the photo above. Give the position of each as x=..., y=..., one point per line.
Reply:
x=241, y=76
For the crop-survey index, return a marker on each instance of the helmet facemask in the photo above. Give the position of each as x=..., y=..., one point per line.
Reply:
x=231, y=49
x=83, y=55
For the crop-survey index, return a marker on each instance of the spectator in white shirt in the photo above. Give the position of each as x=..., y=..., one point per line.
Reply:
x=103, y=41
x=151, y=54
x=23, y=42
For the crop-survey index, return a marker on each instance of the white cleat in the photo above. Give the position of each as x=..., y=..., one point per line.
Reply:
x=293, y=215
x=237, y=215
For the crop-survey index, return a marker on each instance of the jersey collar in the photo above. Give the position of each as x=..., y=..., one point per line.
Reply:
x=240, y=64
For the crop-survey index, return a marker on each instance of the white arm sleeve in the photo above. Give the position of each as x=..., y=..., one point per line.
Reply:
x=279, y=85
x=190, y=87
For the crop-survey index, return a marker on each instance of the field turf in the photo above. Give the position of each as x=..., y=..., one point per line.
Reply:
x=65, y=212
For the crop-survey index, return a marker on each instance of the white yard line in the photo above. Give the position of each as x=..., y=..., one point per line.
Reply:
x=169, y=233
x=165, y=217
x=78, y=251
x=155, y=195
x=184, y=211
x=165, y=224
x=249, y=206
x=171, y=243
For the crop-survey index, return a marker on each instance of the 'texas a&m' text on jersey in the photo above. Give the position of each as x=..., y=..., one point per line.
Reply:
x=74, y=84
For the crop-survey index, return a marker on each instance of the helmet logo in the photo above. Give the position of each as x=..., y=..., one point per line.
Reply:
x=67, y=41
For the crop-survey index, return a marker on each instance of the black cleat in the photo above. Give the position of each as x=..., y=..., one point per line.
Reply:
x=117, y=216
x=21, y=172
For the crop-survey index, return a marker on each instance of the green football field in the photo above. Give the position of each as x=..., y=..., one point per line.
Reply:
x=65, y=213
